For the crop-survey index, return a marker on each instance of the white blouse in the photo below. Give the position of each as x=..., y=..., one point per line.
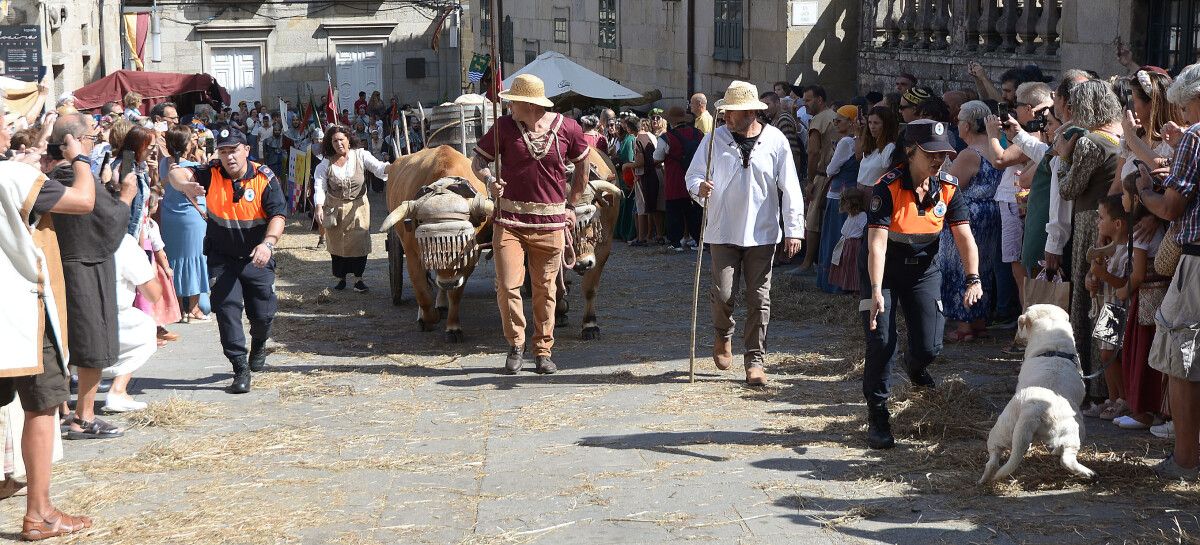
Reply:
x=874, y=165
x=320, y=177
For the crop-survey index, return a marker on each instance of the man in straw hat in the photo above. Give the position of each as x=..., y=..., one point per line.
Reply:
x=752, y=181
x=534, y=146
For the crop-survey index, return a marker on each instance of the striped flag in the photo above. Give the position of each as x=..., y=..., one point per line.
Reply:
x=479, y=67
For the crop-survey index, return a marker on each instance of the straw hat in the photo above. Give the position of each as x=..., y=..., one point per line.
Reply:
x=528, y=88
x=741, y=96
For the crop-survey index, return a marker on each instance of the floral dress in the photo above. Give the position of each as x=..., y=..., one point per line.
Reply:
x=980, y=193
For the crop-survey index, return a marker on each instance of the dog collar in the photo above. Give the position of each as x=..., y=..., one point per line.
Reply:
x=1057, y=354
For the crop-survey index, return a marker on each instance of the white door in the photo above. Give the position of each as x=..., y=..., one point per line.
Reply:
x=238, y=70
x=359, y=68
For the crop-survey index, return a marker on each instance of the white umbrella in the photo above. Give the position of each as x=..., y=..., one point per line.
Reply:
x=562, y=76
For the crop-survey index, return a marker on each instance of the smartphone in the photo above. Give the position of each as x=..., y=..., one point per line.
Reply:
x=209, y=147
x=127, y=160
x=104, y=161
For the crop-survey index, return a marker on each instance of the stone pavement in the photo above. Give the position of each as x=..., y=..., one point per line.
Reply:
x=368, y=431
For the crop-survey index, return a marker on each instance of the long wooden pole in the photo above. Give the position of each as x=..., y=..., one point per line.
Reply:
x=700, y=257
x=497, y=85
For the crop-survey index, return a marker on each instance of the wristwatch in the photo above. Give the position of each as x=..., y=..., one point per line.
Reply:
x=82, y=159
x=270, y=246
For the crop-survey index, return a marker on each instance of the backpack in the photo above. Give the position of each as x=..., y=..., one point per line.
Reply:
x=687, y=146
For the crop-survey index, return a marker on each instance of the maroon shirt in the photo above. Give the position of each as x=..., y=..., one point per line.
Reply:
x=529, y=181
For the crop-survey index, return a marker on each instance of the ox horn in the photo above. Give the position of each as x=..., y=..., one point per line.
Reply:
x=605, y=188
x=398, y=215
x=481, y=207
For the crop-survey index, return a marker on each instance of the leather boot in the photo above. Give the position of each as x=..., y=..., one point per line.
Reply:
x=545, y=366
x=258, y=355
x=879, y=429
x=755, y=376
x=722, y=352
x=241, y=376
x=516, y=358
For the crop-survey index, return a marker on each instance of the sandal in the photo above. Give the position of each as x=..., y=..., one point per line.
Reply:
x=96, y=429
x=58, y=524
x=958, y=336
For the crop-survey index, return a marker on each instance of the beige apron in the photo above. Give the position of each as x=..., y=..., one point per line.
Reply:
x=347, y=212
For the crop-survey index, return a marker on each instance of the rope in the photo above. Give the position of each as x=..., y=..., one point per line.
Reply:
x=568, y=246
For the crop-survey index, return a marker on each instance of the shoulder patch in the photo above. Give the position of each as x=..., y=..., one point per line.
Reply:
x=876, y=203
x=266, y=171
x=889, y=177
x=947, y=178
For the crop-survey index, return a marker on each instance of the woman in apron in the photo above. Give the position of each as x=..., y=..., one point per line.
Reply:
x=340, y=196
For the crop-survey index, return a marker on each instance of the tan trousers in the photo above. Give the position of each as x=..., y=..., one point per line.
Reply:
x=731, y=264
x=544, y=250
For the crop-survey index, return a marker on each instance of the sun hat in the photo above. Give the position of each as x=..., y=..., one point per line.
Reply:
x=931, y=136
x=741, y=96
x=848, y=111
x=527, y=88
x=917, y=95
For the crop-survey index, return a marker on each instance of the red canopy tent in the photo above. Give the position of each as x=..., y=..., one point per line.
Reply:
x=186, y=90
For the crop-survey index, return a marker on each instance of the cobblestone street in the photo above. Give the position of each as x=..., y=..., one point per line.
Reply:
x=367, y=431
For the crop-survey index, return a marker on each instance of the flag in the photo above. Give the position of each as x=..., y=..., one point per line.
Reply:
x=137, y=29
x=330, y=106
x=437, y=27
x=497, y=84
x=479, y=67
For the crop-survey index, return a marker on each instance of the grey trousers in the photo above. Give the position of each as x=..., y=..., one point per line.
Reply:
x=730, y=264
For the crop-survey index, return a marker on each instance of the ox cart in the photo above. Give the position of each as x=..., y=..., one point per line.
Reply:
x=459, y=124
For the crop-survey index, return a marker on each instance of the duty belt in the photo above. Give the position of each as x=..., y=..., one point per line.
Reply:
x=912, y=239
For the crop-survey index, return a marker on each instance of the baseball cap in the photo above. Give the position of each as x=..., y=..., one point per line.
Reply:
x=848, y=111
x=931, y=136
x=226, y=135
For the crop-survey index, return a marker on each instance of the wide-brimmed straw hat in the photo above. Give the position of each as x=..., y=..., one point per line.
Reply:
x=527, y=88
x=741, y=96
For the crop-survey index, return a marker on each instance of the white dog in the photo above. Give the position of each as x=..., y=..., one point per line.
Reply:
x=1049, y=391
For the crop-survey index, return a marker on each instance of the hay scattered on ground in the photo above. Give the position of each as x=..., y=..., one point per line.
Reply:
x=952, y=410
x=817, y=364
x=175, y=412
x=212, y=453
x=793, y=298
x=854, y=514
x=294, y=386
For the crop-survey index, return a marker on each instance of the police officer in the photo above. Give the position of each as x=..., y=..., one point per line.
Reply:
x=910, y=206
x=246, y=212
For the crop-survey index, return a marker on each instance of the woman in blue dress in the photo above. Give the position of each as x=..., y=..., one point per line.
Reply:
x=842, y=172
x=978, y=181
x=183, y=227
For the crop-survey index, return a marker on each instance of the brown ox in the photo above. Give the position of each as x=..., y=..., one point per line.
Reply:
x=442, y=216
x=595, y=219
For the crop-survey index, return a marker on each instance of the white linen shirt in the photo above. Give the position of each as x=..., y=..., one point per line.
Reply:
x=745, y=205
x=321, y=174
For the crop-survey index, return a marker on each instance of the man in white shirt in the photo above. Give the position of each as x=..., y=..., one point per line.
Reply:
x=1058, y=230
x=753, y=183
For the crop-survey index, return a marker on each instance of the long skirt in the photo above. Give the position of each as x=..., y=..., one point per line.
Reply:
x=1083, y=236
x=1143, y=385
x=831, y=232
x=166, y=310
x=626, y=228
x=845, y=274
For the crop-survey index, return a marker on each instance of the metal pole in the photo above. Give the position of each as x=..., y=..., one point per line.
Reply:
x=462, y=128
x=700, y=259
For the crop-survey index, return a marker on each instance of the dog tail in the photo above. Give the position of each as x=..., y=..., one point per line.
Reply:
x=1027, y=424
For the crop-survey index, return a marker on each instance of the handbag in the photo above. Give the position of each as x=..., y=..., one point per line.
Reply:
x=1150, y=297
x=1169, y=251
x=1048, y=290
x=1110, y=321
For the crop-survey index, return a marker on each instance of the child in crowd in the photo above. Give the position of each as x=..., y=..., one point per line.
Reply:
x=166, y=309
x=1109, y=272
x=1145, y=291
x=844, y=270
x=135, y=335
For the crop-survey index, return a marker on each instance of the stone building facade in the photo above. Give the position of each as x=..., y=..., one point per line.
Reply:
x=80, y=38
x=935, y=40
x=680, y=46
x=270, y=50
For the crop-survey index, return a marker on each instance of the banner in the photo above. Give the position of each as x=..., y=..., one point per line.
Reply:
x=298, y=177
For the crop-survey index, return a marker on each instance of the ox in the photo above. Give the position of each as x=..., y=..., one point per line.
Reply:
x=595, y=219
x=442, y=215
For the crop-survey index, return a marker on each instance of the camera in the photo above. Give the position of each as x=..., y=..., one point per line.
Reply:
x=1038, y=123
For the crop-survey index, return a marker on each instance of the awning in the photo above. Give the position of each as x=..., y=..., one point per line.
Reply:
x=563, y=76
x=186, y=90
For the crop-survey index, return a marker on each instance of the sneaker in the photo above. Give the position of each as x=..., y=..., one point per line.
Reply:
x=122, y=404
x=1097, y=408
x=1130, y=423
x=1118, y=408
x=360, y=287
x=1168, y=470
x=677, y=248
x=1166, y=430
x=341, y=285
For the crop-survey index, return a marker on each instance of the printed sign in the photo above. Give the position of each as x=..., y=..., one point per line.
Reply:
x=21, y=51
x=805, y=13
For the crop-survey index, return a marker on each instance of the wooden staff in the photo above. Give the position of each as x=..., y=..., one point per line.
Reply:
x=407, y=139
x=700, y=257
x=496, y=93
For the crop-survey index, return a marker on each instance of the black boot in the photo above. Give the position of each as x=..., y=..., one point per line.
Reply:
x=258, y=354
x=241, y=376
x=879, y=430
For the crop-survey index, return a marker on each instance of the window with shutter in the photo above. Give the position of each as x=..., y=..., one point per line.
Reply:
x=506, y=40
x=608, y=24
x=727, y=43
x=1173, y=33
